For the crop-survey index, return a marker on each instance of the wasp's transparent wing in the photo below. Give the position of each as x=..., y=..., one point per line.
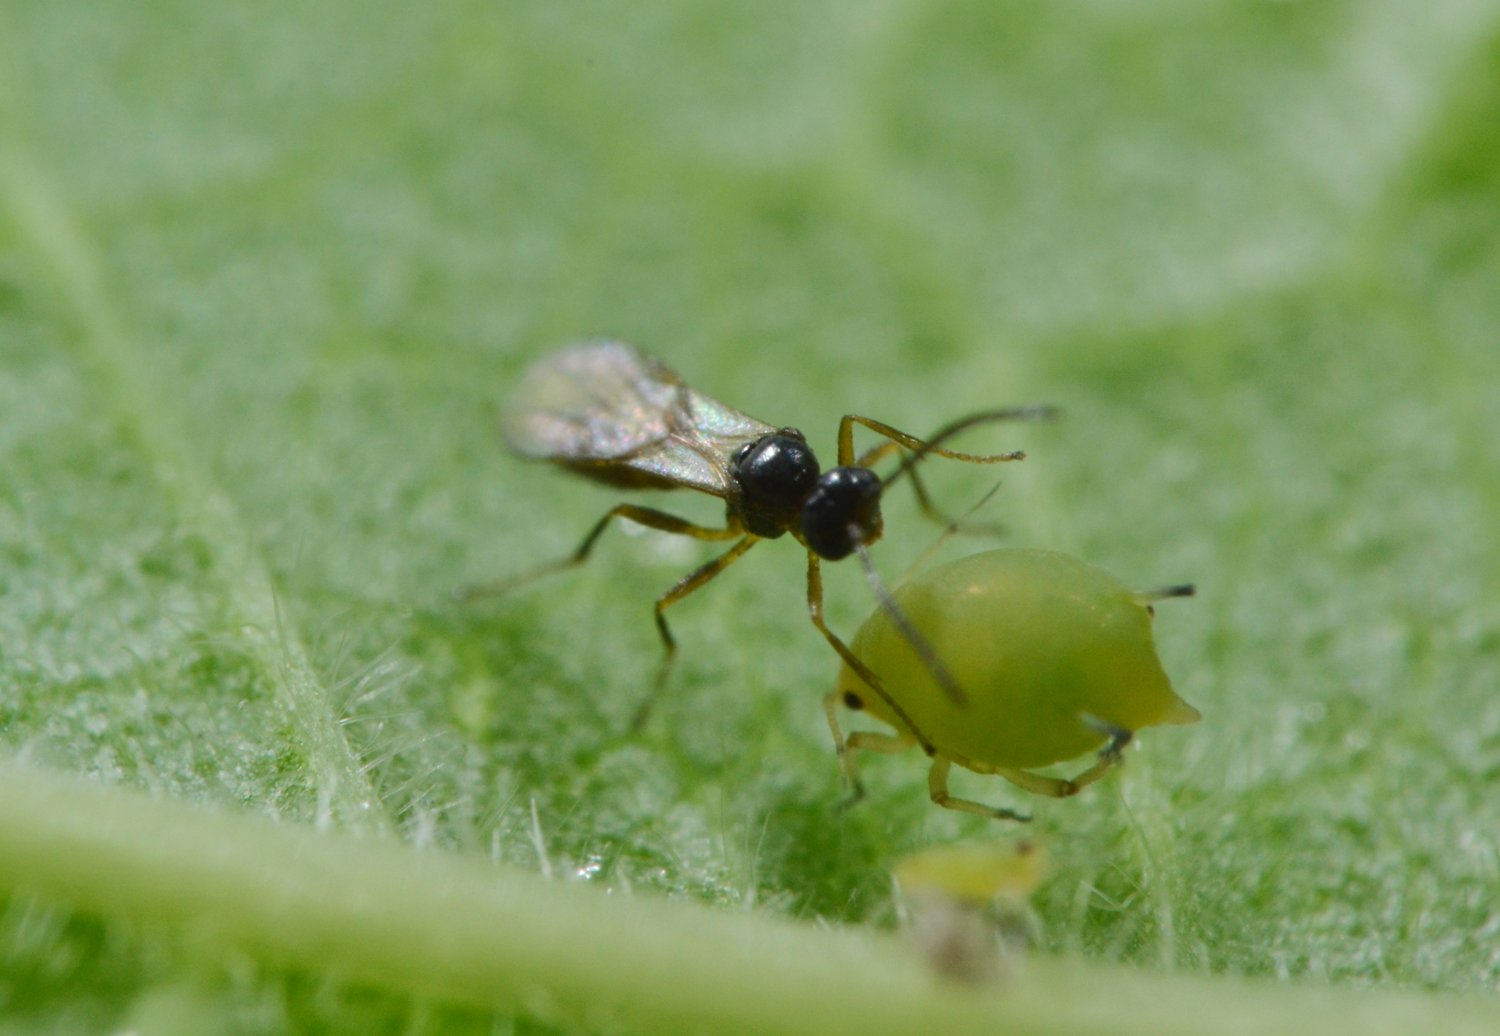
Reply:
x=616, y=414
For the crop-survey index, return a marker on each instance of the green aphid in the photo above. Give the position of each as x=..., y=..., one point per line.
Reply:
x=1054, y=658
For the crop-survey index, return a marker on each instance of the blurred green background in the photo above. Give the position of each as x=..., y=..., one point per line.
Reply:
x=267, y=270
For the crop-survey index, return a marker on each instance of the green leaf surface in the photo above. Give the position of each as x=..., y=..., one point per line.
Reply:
x=267, y=272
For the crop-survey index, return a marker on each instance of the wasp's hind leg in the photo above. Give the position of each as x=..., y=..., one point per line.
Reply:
x=647, y=516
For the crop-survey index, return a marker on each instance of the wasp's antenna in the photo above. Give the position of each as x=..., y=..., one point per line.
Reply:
x=1161, y=593
x=951, y=530
x=948, y=431
x=920, y=644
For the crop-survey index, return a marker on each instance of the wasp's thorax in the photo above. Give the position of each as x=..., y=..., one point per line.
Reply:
x=775, y=474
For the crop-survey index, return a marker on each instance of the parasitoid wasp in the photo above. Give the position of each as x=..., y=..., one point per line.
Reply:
x=610, y=412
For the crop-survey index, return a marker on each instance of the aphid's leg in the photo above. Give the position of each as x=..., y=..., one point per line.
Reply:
x=815, y=609
x=1059, y=788
x=860, y=740
x=647, y=516
x=684, y=586
x=847, y=765
x=937, y=787
x=875, y=741
x=1110, y=756
x=1054, y=787
x=921, y=448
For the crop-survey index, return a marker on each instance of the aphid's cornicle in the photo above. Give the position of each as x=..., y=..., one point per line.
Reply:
x=610, y=412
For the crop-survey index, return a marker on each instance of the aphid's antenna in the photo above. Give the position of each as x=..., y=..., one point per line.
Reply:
x=1161, y=593
x=920, y=644
x=963, y=424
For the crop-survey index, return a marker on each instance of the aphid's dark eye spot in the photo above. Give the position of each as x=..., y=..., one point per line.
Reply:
x=1151, y=610
x=853, y=701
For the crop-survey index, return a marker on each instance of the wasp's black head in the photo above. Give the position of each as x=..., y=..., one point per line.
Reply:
x=774, y=474
x=841, y=512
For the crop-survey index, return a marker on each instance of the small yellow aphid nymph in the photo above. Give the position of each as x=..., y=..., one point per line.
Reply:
x=965, y=908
